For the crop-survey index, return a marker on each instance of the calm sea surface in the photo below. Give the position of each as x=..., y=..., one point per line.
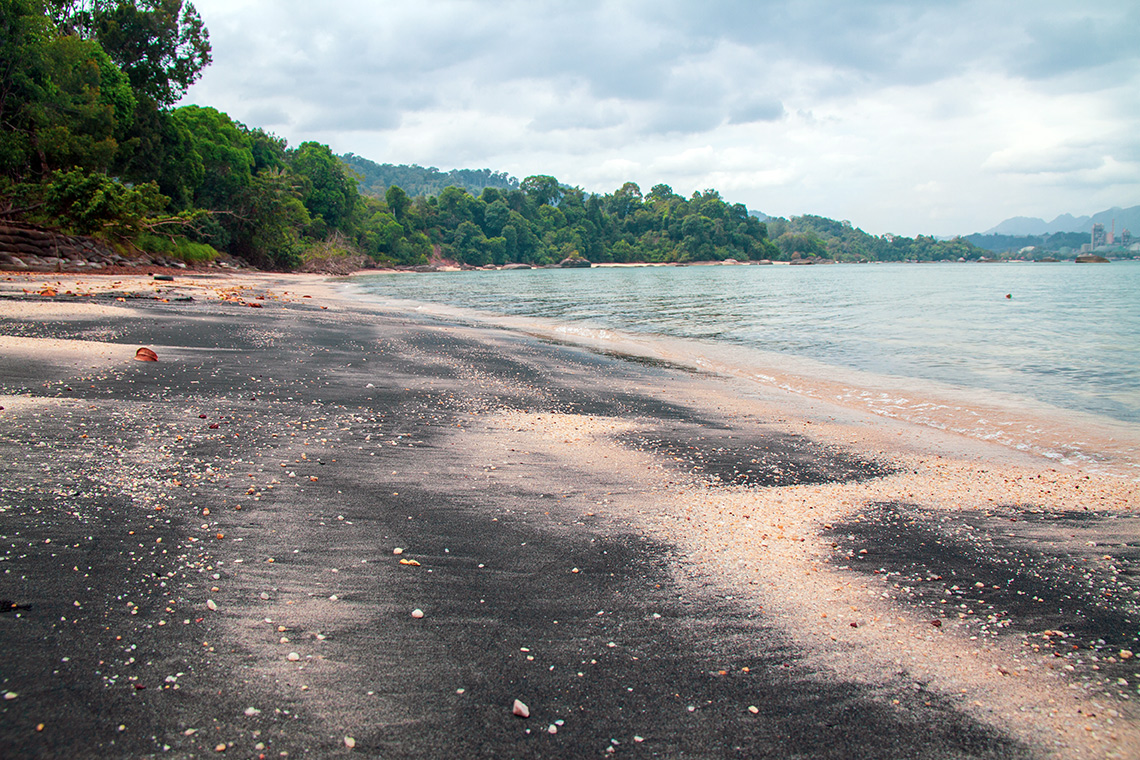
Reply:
x=1068, y=336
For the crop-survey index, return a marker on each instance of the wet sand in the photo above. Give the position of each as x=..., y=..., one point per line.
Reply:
x=221, y=552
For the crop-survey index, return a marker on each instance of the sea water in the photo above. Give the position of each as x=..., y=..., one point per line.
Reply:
x=1056, y=337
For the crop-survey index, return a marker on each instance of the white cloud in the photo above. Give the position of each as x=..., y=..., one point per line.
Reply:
x=909, y=117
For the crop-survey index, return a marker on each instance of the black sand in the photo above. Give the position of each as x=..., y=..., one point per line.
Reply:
x=340, y=436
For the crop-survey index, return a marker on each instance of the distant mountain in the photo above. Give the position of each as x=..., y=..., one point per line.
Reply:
x=759, y=215
x=375, y=179
x=1026, y=225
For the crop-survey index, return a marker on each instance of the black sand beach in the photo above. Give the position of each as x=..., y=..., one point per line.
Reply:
x=316, y=529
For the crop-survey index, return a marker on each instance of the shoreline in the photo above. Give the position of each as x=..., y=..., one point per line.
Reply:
x=1065, y=436
x=745, y=548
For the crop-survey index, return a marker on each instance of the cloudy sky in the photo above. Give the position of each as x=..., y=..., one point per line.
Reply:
x=937, y=117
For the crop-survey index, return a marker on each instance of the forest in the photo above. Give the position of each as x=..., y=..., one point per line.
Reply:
x=92, y=143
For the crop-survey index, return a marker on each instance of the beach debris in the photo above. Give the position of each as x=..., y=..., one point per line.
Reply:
x=10, y=695
x=398, y=550
x=753, y=709
x=251, y=711
x=349, y=742
x=417, y=613
x=520, y=709
x=552, y=729
x=145, y=355
x=221, y=747
x=1125, y=654
x=936, y=623
x=211, y=605
x=164, y=277
x=292, y=657
x=411, y=562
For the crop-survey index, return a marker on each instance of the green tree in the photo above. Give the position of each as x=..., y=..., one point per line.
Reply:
x=329, y=193
x=62, y=100
x=226, y=153
x=542, y=189
x=398, y=202
x=161, y=45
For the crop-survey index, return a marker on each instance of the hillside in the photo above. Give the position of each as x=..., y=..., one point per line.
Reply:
x=374, y=179
x=818, y=236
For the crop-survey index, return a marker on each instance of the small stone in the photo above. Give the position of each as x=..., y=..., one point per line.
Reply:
x=1125, y=654
x=753, y=709
x=349, y=742
x=220, y=748
x=417, y=613
x=251, y=711
x=552, y=729
x=397, y=550
x=638, y=739
x=520, y=709
x=292, y=657
x=211, y=605
x=9, y=695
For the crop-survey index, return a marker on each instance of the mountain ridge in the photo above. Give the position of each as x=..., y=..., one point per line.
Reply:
x=1028, y=225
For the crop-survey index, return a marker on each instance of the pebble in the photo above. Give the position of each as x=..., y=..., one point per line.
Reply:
x=520, y=709
x=552, y=729
x=211, y=605
x=292, y=657
x=251, y=711
x=10, y=695
x=417, y=613
x=349, y=742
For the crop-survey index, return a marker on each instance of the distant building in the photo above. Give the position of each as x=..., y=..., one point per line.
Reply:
x=1098, y=236
x=1125, y=237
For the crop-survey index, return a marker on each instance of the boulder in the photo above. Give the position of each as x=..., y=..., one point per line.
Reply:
x=575, y=263
x=516, y=266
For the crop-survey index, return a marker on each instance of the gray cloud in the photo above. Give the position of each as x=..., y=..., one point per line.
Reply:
x=621, y=83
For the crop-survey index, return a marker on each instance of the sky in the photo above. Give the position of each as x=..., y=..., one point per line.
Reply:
x=904, y=117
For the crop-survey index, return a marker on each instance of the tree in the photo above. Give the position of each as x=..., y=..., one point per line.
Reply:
x=62, y=100
x=542, y=189
x=329, y=193
x=398, y=202
x=161, y=45
x=226, y=153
